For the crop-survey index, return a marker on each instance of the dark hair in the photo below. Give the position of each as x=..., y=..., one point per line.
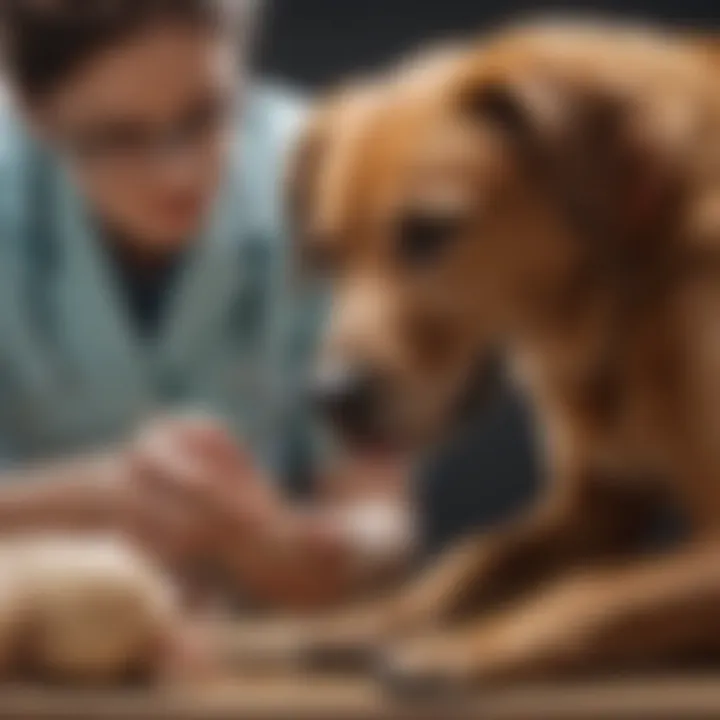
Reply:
x=45, y=41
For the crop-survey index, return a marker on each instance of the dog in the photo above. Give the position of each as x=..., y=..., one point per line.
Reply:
x=550, y=193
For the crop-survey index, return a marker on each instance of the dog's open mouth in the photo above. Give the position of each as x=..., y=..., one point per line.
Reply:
x=383, y=438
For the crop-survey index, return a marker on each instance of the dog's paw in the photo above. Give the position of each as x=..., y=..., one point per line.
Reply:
x=88, y=611
x=434, y=668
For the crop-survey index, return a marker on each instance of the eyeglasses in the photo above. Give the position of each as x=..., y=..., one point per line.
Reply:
x=129, y=144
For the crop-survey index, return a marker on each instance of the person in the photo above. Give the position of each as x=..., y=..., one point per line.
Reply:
x=151, y=349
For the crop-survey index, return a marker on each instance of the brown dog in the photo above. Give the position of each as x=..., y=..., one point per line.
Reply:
x=554, y=193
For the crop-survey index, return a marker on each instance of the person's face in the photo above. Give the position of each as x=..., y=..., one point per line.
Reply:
x=145, y=127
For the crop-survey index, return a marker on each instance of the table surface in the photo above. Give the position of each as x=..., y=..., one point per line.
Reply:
x=317, y=698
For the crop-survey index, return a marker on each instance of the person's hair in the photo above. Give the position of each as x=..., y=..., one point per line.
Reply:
x=45, y=41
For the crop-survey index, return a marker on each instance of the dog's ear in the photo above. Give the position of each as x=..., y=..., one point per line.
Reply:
x=529, y=114
x=534, y=114
x=584, y=144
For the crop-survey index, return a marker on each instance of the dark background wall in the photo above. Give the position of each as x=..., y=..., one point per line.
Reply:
x=313, y=42
x=491, y=469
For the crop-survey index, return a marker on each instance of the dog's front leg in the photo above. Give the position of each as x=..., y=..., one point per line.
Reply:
x=638, y=615
x=487, y=567
x=586, y=517
x=590, y=519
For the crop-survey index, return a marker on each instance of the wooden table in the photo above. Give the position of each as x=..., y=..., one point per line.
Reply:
x=315, y=698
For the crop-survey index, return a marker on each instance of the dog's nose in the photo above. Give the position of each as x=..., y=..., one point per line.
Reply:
x=350, y=398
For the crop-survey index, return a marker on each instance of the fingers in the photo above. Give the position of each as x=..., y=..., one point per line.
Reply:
x=193, y=491
x=197, y=458
x=161, y=462
x=200, y=435
x=165, y=493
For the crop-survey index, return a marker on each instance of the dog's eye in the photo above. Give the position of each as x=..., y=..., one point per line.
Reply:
x=423, y=237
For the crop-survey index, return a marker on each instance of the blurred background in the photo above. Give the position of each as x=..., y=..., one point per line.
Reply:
x=491, y=470
x=316, y=42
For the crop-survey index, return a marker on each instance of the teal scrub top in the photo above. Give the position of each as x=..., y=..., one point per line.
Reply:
x=235, y=337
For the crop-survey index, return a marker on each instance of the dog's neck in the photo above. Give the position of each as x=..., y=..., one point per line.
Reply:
x=577, y=333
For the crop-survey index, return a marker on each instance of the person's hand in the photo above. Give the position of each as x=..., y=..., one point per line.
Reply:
x=200, y=503
x=194, y=490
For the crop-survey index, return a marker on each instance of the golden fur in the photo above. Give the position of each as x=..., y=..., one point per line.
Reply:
x=581, y=165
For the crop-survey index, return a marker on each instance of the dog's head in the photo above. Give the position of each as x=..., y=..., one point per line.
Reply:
x=452, y=207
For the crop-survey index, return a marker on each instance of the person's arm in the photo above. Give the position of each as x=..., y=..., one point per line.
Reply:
x=353, y=541
x=219, y=509
x=71, y=495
